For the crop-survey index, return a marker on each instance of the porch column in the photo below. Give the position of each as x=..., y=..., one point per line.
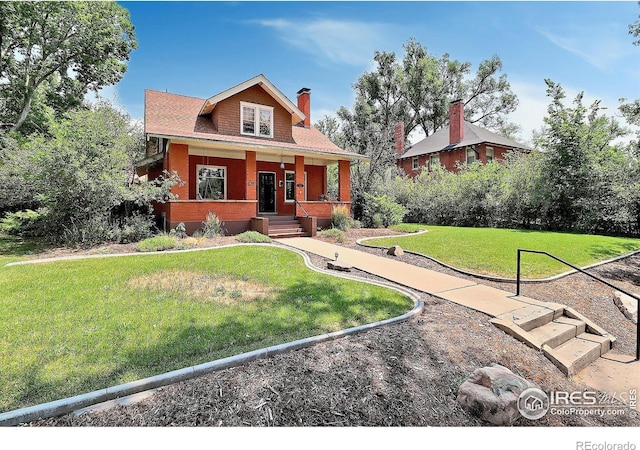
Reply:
x=299, y=176
x=344, y=180
x=250, y=192
x=178, y=160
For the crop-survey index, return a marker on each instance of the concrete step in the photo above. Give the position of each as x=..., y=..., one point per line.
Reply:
x=532, y=316
x=554, y=333
x=287, y=234
x=577, y=353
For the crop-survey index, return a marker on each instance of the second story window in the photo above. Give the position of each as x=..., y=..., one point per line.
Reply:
x=471, y=156
x=489, y=154
x=256, y=120
x=415, y=165
x=434, y=161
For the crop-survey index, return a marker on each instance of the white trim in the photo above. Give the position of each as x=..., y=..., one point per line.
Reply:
x=256, y=119
x=415, y=163
x=296, y=114
x=208, y=166
x=294, y=185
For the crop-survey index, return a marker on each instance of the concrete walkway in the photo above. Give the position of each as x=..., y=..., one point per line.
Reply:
x=610, y=373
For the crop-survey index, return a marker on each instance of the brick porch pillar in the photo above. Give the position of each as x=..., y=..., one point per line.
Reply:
x=178, y=160
x=344, y=180
x=299, y=188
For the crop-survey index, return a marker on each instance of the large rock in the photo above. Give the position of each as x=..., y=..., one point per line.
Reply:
x=491, y=393
x=396, y=250
x=339, y=265
x=627, y=305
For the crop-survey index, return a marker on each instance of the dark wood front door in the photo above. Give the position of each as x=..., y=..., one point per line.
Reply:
x=266, y=192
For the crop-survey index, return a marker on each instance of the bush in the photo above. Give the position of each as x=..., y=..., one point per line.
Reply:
x=22, y=223
x=136, y=228
x=157, y=243
x=381, y=211
x=253, y=237
x=340, y=217
x=333, y=233
x=212, y=226
x=180, y=231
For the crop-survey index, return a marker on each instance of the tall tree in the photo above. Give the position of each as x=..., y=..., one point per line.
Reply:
x=59, y=50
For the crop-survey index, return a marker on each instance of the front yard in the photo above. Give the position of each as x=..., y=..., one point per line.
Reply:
x=492, y=251
x=72, y=327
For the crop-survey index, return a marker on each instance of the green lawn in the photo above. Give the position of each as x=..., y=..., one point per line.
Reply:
x=492, y=251
x=72, y=327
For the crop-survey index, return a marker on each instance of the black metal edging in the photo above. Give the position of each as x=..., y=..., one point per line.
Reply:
x=613, y=286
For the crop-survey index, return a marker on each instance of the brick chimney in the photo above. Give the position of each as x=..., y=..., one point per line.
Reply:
x=456, y=122
x=398, y=138
x=304, y=105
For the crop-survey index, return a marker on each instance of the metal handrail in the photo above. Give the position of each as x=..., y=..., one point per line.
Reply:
x=637, y=299
x=300, y=204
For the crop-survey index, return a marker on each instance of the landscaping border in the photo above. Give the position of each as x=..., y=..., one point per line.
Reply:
x=70, y=404
x=490, y=277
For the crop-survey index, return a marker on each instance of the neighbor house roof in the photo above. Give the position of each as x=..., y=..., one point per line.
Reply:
x=473, y=135
x=181, y=117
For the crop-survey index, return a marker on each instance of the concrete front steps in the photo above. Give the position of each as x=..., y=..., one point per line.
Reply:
x=568, y=339
x=285, y=227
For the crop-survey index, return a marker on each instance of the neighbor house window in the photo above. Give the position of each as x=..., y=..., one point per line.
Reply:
x=489, y=154
x=434, y=161
x=471, y=156
x=290, y=186
x=212, y=182
x=414, y=163
x=256, y=120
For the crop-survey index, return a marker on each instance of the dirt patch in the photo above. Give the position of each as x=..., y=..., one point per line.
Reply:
x=202, y=286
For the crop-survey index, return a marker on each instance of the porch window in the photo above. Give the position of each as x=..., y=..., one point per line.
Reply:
x=212, y=182
x=290, y=186
x=471, y=156
x=434, y=161
x=256, y=120
x=414, y=163
x=489, y=154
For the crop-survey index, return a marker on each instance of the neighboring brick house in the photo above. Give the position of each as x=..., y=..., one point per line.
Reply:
x=460, y=142
x=248, y=154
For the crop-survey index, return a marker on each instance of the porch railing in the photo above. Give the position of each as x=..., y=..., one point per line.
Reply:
x=302, y=207
x=635, y=297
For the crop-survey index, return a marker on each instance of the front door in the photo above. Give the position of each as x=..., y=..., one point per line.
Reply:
x=266, y=192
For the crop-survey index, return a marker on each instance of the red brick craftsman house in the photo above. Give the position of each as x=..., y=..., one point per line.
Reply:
x=460, y=142
x=247, y=154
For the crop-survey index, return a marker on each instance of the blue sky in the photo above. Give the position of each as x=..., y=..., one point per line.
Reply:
x=203, y=48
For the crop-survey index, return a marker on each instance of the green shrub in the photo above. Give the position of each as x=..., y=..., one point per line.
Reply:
x=353, y=223
x=21, y=223
x=381, y=211
x=212, y=226
x=340, y=217
x=157, y=243
x=333, y=233
x=137, y=227
x=180, y=231
x=405, y=228
x=253, y=237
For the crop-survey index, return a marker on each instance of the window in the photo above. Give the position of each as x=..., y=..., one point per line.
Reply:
x=489, y=154
x=434, y=161
x=290, y=186
x=212, y=182
x=256, y=120
x=471, y=156
x=414, y=163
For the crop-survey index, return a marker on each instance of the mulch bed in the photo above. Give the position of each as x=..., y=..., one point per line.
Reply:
x=406, y=374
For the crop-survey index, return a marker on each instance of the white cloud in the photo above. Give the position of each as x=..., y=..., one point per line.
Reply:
x=342, y=42
x=600, y=45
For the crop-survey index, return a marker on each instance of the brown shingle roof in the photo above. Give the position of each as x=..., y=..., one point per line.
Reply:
x=173, y=115
x=473, y=134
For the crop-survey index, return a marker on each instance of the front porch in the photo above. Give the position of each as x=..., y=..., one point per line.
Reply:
x=250, y=190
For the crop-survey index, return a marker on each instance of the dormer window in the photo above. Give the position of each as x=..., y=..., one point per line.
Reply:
x=256, y=120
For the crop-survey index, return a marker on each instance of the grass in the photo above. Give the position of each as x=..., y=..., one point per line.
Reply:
x=493, y=251
x=333, y=233
x=157, y=243
x=72, y=327
x=253, y=237
x=14, y=248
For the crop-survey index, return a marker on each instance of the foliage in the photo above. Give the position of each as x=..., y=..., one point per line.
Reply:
x=21, y=223
x=333, y=233
x=381, y=211
x=340, y=217
x=253, y=237
x=212, y=226
x=82, y=179
x=157, y=243
x=493, y=250
x=180, y=231
x=53, y=53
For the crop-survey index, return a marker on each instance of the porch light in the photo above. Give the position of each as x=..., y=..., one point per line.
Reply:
x=282, y=160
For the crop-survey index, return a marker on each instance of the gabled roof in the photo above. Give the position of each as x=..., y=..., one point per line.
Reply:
x=178, y=117
x=473, y=135
x=296, y=115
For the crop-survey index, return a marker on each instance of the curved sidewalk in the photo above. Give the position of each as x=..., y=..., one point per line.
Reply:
x=610, y=374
